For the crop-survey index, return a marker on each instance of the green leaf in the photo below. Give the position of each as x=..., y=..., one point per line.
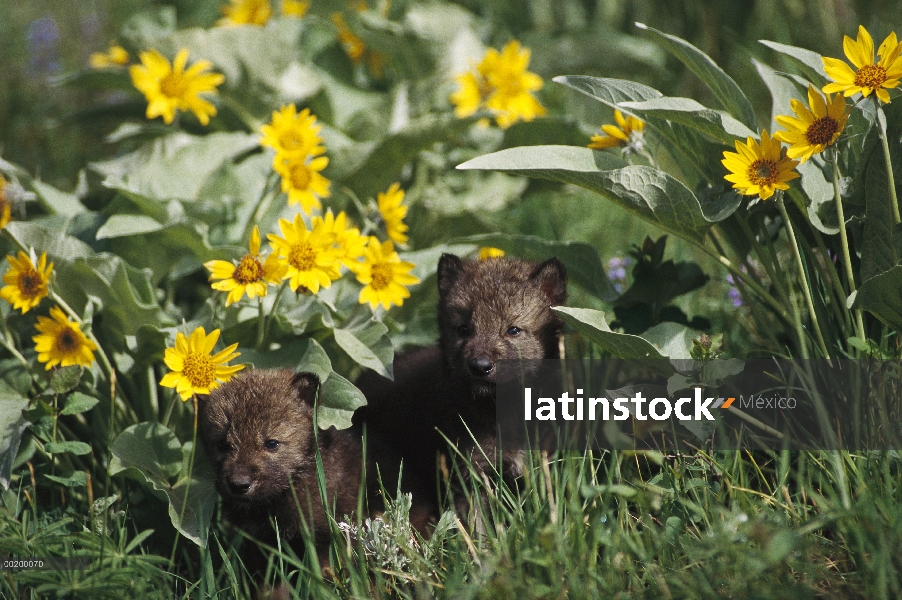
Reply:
x=818, y=195
x=592, y=324
x=77, y=448
x=314, y=359
x=646, y=192
x=672, y=340
x=78, y=403
x=175, y=166
x=370, y=167
x=581, y=260
x=782, y=90
x=12, y=424
x=76, y=479
x=144, y=28
x=57, y=202
x=64, y=379
x=878, y=253
x=609, y=91
x=716, y=125
x=338, y=399
x=152, y=452
x=375, y=353
x=727, y=92
x=812, y=61
x=880, y=296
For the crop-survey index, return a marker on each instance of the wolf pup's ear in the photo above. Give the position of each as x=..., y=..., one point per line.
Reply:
x=306, y=384
x=449, y=269
x=551, y=277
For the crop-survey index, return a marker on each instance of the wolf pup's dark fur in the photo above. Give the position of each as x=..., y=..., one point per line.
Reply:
x=257, y=430
x=488, y=310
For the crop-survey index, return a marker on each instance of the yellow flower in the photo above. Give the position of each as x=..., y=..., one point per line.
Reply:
x=348, y=243
x=292, y=134
x=302, y=182
x=759, y=168
x=116, y=56
x=469, y=95
x=25, y=284
x=6, y=205
x=868, y=76
x=295, y=8
x=626, y=134
x=385, y=276
x=812, y=130
x=487, y=252
x=246, y=12
x=393, y=212
x=251, y=274
x=311, y=258
x=61, y=342
x=501, y=84
x=194, y=369
x=169, y=87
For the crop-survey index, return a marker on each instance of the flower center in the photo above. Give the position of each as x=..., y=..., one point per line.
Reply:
x=870, y=76
x=30, y=283
x=302, y=256
x=199, y=370
x=300, y=177
x=382, y=275
x=762, y=172
x=67, y=341
x=291, y=139
x=174, y=86
x=249, y=270
x=821, y=131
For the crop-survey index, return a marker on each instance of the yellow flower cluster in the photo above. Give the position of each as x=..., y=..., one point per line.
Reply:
x=60, y=341
x=760, y=168
x=295, y=138
x=500, y=83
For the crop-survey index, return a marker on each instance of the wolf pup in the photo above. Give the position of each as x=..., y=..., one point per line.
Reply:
x=257, y=430
x=488, y=310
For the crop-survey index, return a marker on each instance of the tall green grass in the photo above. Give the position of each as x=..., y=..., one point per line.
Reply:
x=611, y=524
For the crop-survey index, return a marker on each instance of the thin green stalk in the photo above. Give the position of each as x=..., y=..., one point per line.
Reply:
x=844, y=238
x=262, y=205
x=275, y=306
x=839, y=306
x=261, y=322
x=884, y=142
x=804, y=277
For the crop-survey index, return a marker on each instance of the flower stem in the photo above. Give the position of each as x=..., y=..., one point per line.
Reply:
x=884, y=142
x=275, y=306
x=261, y=322
x=844, y=239
x=262, y=205
x=804, y=278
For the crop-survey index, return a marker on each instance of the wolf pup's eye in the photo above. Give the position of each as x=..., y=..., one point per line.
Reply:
x=271, y=444
x=224, y=446
x=463, y=331
x=514, y=330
